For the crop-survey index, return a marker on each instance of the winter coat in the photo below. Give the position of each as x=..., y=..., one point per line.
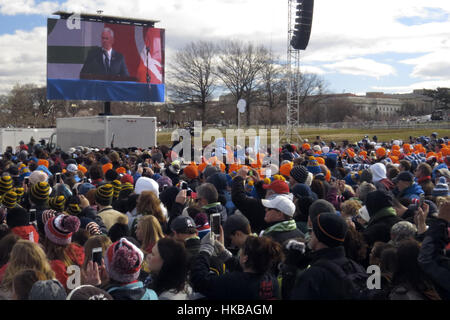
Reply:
x=317, y=282
x=91, y=213
x=251, y=208
x=27, y=233
x=216, y=207
x=131, y=291
x=76, y=254
x=384, y=185
x=283, y=231
x=431, y=258
x=110, y=217
x=379, y=226
x=231, y=286
x=412, y=192
x=427, y=186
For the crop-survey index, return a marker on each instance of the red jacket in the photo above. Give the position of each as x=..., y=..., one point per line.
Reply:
x=76, y=254
x=27, y=233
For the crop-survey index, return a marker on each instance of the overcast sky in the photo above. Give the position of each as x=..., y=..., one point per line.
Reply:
x=356, y=46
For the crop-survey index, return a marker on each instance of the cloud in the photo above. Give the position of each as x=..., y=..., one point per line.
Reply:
x=23, y=57
x=8, y=7
x=361, y=67
x=343, y=35
x=417, y=85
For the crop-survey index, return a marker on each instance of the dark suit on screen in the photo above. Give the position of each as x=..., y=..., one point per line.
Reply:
x=94, y=64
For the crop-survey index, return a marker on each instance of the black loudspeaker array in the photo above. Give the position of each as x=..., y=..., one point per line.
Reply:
x=303, y=22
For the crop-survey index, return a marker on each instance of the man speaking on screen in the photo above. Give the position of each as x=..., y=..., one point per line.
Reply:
x=104, y=61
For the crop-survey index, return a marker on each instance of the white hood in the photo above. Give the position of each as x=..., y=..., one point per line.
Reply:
x=378, y=172
x=146, y=184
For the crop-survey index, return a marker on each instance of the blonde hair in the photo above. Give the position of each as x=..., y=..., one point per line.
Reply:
x=350, y=208
x=151, y=231
x=102, y=241
x=441, y=200
x=149, y=204
x=26, y=255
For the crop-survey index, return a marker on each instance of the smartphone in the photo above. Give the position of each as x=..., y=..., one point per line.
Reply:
x=27, y=180
x=184, y=186
x=188, y=192
x=97, y=255
x=421, y=200
x=58, y=177
x=32, y=215
x=215, y=223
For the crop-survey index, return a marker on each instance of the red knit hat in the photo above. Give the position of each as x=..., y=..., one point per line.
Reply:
x=123, y=261
x=59, y=229
x=278, y=186
x=127, y=178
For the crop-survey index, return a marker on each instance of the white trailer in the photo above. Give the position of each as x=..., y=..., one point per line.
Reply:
x=102, y=131
x=13, y=136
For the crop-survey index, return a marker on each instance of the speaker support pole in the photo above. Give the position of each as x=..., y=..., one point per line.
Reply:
x=293, y=81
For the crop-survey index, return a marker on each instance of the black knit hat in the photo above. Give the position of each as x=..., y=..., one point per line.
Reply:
x=330, y=229
x=320, y=206
x=104, y=194
x=57, y=203
x=9, y=199
x=377, y=200
x=17, y=217
x=40, y=192
x=6, y=184
x=299, y=173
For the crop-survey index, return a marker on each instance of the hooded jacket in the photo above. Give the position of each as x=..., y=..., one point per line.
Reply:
x=379, y=177
x=412, y=192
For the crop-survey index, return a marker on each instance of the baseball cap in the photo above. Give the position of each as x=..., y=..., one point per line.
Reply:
x=233, y=223
x=182, y=224
x=280, y=203
x=404, y=176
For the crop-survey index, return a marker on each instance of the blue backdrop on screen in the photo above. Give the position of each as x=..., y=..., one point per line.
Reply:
x=106, y=62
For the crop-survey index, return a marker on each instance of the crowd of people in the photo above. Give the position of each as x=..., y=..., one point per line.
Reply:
x=142, y=224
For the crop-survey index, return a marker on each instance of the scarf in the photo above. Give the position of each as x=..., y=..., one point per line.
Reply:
x=287, y=225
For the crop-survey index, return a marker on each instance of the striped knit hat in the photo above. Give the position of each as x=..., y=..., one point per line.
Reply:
x=59, y=229
x=441, y=189
x=57, y=203
x=104, y=194
x=73, y=208
x=9, y=199
x=116, y=186
x=123, y=261
x=40, y=192
x=6, y=184
x=20, y=192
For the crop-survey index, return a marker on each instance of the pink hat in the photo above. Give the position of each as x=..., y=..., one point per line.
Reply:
x=123, y=261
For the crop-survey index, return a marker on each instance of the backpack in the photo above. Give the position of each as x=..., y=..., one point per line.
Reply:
x=353, y=276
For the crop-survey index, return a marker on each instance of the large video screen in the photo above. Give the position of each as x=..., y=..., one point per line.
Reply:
x=105, y=62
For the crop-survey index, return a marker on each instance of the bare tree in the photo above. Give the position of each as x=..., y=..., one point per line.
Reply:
x=273, y=85
x=239, y=69
x=191, y=78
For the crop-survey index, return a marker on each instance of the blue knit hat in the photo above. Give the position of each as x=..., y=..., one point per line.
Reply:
x=441, y=189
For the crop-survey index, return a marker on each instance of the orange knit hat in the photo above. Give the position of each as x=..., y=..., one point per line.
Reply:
x=286, y=168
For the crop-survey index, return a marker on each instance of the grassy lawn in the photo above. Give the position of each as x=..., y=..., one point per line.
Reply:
x=338, y=135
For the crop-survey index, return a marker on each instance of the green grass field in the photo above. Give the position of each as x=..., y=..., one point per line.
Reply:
x=339, y=135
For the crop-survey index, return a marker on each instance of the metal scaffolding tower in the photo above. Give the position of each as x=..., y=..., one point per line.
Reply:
x=293, y=78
